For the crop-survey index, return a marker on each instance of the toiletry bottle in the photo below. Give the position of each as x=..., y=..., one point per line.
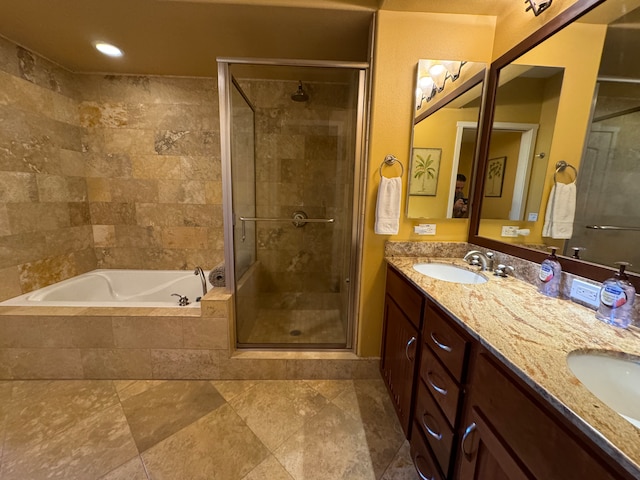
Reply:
x=550, y=275
x=616, y=299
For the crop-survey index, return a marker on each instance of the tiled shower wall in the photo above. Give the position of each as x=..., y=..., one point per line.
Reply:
x=303, y=163
x=104, y=171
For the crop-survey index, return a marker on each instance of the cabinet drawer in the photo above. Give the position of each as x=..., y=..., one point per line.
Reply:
x=439, y=382
x=447, y=343
x=434, y=426
x=405, y=295
x=422, y=459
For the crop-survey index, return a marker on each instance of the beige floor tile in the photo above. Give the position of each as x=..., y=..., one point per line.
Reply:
x=219, y=446
x=401, y=467
x=130, y=388
x=331, y=445
x=44, y=409
x=274, y=410
x=269, y=469
x=230, y=389
x=131, y=470
x=330, y=389
x=164, y=409
x=369, y=404
x=86, y=449
x=297, y=326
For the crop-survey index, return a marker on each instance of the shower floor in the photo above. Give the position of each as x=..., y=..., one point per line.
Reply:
x=297, y=326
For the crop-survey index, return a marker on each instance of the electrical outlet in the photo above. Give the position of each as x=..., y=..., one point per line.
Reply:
x=425, y=229
x=532, y=217
x=510, y=231
x=585, y=292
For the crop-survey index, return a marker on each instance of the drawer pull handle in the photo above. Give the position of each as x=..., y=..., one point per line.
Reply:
x=444, y=347
x=430, y=431
x=406, y=349
x=422, y=475
x=440, y=390
x=468, y=431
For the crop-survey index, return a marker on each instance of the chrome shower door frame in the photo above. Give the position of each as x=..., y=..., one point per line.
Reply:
x=357, y=217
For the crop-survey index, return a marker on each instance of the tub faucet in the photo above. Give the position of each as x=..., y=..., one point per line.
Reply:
x=477, y=258
x=203, y=279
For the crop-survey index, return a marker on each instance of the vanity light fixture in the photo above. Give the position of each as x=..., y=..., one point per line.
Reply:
x=434, y=82
x=537, y=7
x=438, y=73
x=108, y=49
x=453, y=69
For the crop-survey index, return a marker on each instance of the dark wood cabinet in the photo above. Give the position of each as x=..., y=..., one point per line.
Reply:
x=512, y=433
x=439, y=394
x=401, y=343
x=467, y=415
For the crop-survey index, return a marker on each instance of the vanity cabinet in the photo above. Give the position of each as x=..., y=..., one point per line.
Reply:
x=466, y=414
x=439, y=393
x=400, y=345
x=511, y=434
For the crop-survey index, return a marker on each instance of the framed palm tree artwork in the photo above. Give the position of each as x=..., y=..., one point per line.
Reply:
x=425, y=167
x=495, y=177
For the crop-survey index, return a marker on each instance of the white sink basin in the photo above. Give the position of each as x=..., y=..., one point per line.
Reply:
x=449, y=273
x=613, y=378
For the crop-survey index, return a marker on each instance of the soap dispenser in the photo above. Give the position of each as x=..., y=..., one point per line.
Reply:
x=616, y=299
x=550, y=275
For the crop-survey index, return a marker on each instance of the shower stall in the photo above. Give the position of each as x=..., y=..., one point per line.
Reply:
x=292, y=140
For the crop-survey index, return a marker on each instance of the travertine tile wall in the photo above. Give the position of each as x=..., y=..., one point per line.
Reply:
x=45, y=226
x=106, y=171
x=152, y=153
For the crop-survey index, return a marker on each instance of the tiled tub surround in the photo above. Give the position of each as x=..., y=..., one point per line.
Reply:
x=533, y=335
x=103, y=171
x=152, y=343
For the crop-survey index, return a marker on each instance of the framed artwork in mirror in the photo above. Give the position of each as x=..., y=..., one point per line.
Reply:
x=495, y=177
x=425, y=167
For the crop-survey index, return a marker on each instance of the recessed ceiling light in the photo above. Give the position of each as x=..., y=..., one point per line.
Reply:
x=108, y=49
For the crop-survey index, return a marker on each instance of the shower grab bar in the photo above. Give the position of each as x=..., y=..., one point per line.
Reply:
x=299, y=219
x=612, y=227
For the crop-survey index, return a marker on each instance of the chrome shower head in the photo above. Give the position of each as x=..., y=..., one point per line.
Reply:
x=300, y=95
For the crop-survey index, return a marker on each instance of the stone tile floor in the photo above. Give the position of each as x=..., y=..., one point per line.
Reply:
x=213, y=430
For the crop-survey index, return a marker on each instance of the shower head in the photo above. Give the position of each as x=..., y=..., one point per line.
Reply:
x=300, y=95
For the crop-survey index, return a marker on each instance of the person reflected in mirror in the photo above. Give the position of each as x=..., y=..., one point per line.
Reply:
x=460, y=202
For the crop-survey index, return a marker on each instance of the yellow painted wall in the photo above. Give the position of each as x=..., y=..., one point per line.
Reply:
x=401, y=40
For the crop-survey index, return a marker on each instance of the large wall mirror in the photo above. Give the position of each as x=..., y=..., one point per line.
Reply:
x=447, y=108
x=572, y=181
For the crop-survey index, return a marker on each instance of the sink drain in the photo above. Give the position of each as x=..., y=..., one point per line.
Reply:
x=295, y=333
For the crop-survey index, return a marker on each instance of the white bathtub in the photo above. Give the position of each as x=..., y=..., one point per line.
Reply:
x=117, y=288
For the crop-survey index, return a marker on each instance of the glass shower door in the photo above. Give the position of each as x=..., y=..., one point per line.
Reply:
x=293, y=232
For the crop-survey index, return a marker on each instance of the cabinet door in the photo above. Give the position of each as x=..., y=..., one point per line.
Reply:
x=485, y=456
x=398, y=364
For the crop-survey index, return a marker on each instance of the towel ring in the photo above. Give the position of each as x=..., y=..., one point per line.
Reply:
x=561, y=166
x=390, y=160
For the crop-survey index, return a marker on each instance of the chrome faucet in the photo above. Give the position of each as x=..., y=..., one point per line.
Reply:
x=203, y=279
x=478, y=258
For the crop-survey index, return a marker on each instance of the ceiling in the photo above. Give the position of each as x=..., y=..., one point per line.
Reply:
x=184, y=37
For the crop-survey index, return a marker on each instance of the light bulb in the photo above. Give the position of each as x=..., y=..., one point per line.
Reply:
x=438, y=74
x=108, y=49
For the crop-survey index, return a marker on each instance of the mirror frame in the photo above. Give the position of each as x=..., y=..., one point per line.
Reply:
x=577, y=267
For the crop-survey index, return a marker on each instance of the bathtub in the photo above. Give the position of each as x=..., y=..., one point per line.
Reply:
x=117, y=288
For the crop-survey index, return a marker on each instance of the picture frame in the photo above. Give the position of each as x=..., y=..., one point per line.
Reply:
x=494, y=178
x=424, y=171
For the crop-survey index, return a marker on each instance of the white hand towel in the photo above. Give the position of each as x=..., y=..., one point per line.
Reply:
x=561, y=210
x=388, y=206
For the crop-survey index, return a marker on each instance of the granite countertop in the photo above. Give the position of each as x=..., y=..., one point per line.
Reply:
x=532, y=334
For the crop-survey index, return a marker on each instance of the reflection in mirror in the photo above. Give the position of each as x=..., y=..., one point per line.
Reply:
x=525, y=111
x=592, y=65
x=441, y=158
